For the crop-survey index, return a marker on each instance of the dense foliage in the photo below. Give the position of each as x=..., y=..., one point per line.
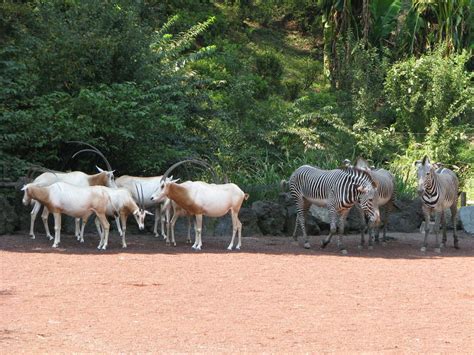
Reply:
x=255, y=87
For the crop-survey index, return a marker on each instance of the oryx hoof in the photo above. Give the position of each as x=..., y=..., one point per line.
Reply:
x=229, y=247
x=156, y=235
x=50, y=237
x=168, y=243
x=343, y=251
x=237, y=247
x=32, y=236
x=124, y=246
x=423, y=249
x=55, y=245
x=438, y=250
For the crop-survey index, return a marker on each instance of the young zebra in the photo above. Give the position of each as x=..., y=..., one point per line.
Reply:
x=338, y=190
x=438, y=190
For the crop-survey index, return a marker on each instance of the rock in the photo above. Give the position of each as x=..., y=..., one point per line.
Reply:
x=312, y=227
x=407, y=218
x=271, y=217
x=249, y=220
x=321, y=216
x=466, y=216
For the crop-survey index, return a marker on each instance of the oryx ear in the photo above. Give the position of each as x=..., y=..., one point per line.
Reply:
x=24, y=187
x=99, y=169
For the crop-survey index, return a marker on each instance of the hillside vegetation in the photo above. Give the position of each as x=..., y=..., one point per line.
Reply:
x=255, y=87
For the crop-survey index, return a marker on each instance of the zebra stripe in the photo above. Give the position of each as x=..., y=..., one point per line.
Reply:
x=337, y=189
x=438, y=189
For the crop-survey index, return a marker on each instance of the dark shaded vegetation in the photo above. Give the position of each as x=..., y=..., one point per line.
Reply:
x=255, y=87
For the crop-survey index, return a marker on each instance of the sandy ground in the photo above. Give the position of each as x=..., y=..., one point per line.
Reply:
x=272, y=296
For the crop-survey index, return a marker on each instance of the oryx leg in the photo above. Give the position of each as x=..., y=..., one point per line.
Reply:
x=106, y=225
x=44, y=218
x=172, y=224
x=57, y=229
x=188, y=239
x=157, y=217
x=123, y=218
x=100, y=231
x=198, y=229
x=77, y=229
x=236, y=228
x=119, y=228
x=83, y=226
x=34, y=212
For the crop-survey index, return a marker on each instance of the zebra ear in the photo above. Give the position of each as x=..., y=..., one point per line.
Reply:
x=362, y=189
x=361, y=163
x=417, y=163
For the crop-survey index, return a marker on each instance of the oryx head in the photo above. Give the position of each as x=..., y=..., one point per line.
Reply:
x=26, y=195
x=140, y=212
x=162, y=192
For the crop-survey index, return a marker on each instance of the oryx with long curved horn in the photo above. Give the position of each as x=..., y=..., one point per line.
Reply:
x=78, y=178
x=200, y=199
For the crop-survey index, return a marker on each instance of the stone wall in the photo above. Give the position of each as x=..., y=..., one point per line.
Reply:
x=259, y=218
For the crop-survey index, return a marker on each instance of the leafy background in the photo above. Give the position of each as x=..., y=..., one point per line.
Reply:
x=255, y=87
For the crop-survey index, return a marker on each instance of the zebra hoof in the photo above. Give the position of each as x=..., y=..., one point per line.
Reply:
x=442, y=245
x=438, y=250
x=360, y=246
x=423, y=249
x=307, y=245
x=324, y=244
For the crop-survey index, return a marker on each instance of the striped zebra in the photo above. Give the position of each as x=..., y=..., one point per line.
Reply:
x=385, y=198
x=338, y=190
x=438, y=190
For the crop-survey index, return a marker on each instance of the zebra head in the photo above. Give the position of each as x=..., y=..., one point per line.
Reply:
x=425, y=171
x=367, y=190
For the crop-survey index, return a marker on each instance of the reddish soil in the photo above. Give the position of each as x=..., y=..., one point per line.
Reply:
x=273, y=296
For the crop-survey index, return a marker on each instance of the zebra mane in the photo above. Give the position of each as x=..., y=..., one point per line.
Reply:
x=362, y=172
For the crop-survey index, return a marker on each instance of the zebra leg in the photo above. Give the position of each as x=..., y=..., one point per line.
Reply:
x=443, y=224
x=454, y=212
x=436, y=227
x=342, y=222
x=302, y=208
x=362, y=227
x=332, y=231
x=426, y=212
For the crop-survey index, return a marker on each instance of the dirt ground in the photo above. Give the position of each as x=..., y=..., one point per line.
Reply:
x=272, y=296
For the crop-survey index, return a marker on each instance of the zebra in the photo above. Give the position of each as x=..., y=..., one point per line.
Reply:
x=338, y=190
x=385, y=198
x=438, y=190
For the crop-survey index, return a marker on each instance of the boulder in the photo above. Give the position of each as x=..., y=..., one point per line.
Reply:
x=407, y=217
x=249, y=220
x=466, y=215
x=271, y=217
x=321, y=216
x=312, y=227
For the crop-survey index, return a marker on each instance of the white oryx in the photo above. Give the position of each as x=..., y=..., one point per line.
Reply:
x=148, y=186
x=172, y=211
x=200, y=199
x=122, y=203
x=78, y=178
x=75, y=201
